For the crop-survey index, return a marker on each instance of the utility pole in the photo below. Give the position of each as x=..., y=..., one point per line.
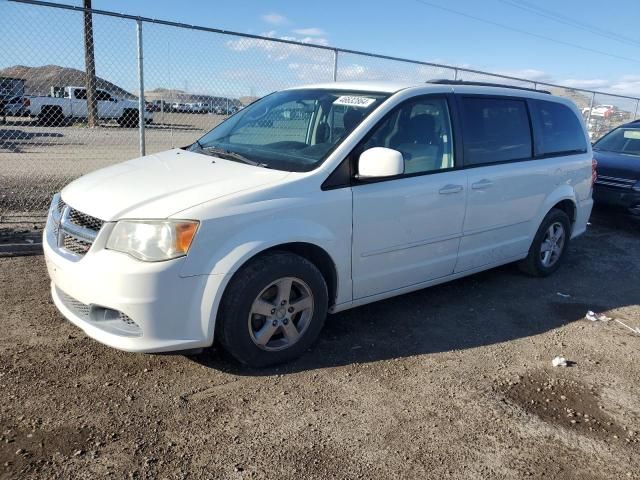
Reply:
x=90, y=66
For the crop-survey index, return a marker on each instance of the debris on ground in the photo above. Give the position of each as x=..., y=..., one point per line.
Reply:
x=563, y=295
x=601, y=317
x=559, y=362
x=596, y=317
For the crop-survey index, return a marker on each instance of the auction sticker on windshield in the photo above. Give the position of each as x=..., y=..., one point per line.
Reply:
x=354, y=101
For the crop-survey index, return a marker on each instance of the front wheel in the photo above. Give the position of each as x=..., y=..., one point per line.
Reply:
x=549, y=246
x=129, y=119
x=273, y=309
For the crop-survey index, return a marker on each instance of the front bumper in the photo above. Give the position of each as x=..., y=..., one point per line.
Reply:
x=617, y=197
x=128, y=304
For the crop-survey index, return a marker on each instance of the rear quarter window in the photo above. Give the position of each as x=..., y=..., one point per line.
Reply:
x=495, y=130
x=557, y=129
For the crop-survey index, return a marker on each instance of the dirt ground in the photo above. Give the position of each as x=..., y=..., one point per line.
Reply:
x=453, y=381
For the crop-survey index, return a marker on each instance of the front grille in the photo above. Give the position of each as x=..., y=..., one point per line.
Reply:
x=127, y=319
x=86, y=221
x=74, y=230
x=76, y=306
x=110, y=320
x=75, y=245
x=617, y=182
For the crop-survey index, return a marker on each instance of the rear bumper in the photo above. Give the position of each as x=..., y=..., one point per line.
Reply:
x=616, y=197
x=583, y=212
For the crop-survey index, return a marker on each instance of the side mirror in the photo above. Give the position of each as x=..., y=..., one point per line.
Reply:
x=379, y=162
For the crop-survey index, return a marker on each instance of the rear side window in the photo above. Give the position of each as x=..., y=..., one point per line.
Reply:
x=80, y=94
x=495, y=130
x=558, y=130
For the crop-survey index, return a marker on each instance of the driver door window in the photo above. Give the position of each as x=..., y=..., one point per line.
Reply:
x=419, y=129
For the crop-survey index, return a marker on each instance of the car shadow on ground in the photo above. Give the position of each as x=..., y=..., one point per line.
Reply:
x=495, y=306
x=12, y=140
x=615, y=219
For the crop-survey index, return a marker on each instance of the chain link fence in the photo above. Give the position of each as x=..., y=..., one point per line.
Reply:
x=160, y=85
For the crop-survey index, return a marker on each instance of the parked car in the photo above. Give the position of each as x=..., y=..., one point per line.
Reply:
x=253, y=233
x=16, y=106
x=55, y=110
x=598, y=127
x=608, y=112
x=618, y=156
x=181, y=107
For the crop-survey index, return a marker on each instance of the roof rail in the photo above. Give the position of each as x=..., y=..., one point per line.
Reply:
x=446, y=81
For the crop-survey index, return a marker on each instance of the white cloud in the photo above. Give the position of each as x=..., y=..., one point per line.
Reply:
x=528, y=74
x=275, y=19
x=589, y=84
x=277, y=50
x=627, y=85
x=310, y=32
x=312, y=72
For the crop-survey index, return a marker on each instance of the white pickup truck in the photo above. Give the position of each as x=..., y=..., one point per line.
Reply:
x=55, y=110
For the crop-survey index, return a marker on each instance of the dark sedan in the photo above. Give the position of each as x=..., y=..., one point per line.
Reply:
x=618, y=156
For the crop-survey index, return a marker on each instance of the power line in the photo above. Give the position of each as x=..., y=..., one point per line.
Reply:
x=557, y=17
x=525, y=32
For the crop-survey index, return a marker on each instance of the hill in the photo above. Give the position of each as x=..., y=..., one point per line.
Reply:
x=180, y=96
x=39, y=80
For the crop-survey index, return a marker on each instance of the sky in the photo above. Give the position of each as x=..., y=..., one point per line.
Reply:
x=571, y=42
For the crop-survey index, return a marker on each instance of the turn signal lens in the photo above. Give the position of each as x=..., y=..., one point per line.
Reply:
x=184, y=235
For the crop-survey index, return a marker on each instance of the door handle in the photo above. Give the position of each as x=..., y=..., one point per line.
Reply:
x=448, y=189
x=482, y=184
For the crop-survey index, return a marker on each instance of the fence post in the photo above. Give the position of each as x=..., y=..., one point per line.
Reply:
x=455, y=74
x=593, y=99
x=335, y=65
x=141, y=89
x=635, y=115
x=535, y=85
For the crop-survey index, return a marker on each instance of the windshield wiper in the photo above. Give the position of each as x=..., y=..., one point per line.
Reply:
x=228, y=155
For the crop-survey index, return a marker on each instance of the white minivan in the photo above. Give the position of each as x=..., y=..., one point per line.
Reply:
x=314, y=200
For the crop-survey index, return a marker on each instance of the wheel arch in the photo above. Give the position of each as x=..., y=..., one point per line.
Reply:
x=563, y=198
x=312, y=252
x=569, y=207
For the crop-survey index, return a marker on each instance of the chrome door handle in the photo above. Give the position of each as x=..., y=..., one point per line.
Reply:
x=482, y=184
x=448, y=189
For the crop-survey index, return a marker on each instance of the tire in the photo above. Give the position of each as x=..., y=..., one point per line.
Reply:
x=51, y=116
x=129, y=119
x=259, y=340
x=542, y=264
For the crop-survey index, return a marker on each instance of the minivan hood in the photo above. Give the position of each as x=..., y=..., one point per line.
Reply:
x=160, y=185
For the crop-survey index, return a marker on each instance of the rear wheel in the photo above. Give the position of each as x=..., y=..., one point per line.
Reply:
x=549, y=246
x=129, y=119
x=51, y=116
x=273, y=309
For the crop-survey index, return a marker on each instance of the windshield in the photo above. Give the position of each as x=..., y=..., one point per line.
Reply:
x=621, y=140
x=293, y=130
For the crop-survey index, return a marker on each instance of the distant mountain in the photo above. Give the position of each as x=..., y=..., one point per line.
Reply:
x=581, y=99
x=39, y=80
x=180, y=96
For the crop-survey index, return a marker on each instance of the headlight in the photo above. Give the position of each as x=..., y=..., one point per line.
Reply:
x=153, y=240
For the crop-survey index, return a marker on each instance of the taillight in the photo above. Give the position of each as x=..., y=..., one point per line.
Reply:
x=27, y=102
x=594, y=171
